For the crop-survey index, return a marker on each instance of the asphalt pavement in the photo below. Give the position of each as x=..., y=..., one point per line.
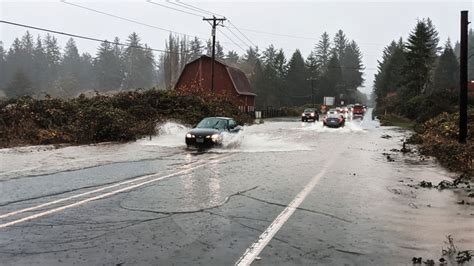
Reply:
x=279, y=193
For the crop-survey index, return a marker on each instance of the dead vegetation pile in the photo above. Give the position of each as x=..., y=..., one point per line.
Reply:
x=438, y=137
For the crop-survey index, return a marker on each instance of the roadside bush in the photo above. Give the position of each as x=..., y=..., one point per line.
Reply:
x=121, y=117
x=439, y=138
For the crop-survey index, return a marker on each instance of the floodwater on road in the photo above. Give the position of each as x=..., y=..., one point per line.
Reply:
x=298, y=193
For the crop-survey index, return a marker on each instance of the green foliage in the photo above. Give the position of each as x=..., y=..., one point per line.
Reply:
x=421, y=48
x=121, y=117
x=446, y=75
x=296, y=84
x=412, y=81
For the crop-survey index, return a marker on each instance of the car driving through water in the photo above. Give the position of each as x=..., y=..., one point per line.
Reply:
x=310, y=114
x=334, y=119
x=209, y=132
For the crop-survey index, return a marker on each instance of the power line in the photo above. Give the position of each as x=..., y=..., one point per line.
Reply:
x=228, y=38
x=188, y=6
x=238, y=38
x=135, y=21
x=172, y=8
x=194, y=14
x=245, y=36
x=126, y=19
x=85, y=37
x=261, y=31
x=185, y=5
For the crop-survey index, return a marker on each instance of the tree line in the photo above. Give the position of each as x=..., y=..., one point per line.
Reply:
x=417, y=78
x=38, y=66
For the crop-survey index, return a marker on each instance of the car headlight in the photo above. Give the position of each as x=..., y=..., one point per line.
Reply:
x=312, y=114
x=215, y=137
x=189, y=136
x=302, y=114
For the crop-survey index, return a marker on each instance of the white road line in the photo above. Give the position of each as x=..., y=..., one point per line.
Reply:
x=73, y=197
x=82, y=194
x=254, y=250
x=41, y=214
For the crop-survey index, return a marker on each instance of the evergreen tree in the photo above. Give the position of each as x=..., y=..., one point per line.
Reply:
x=40, y=64
x=322, y=52
x=389, y=77
x=170, y=63
x=20, y=85
x=280, y=65
x=257, y=82
x=352, y=68
x=219, y=50
x=2, y=66
x=312, y=65
x=446, y=75
x=19, y=60
x=340, y=43
x=333, y=77
x=53, y=57
x=281, y=69
x=13, y=61
x=108, y=66
x=138, y=64
x=298, y=87
x=249, y=60
x=470, y=54
x=27, y=54
x=269, y=55
x=71, y=60
x=86, y=72
x=421, y=55
x=184, y=54
x=232, y=58
x=196, y=47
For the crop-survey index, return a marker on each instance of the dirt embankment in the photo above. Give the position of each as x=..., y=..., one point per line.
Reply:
x=438, y=137
x=121, y=117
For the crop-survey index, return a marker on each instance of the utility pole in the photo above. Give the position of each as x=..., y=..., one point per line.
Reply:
x=215, y=23
x=312, y=90
x=463, y=79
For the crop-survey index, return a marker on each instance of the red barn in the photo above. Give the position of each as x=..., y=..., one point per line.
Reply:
x=227, y=80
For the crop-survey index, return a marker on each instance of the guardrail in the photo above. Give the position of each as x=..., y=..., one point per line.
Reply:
x=267, y=113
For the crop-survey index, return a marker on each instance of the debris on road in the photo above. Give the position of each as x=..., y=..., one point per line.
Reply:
x=416, y=260
x=464, y=256
x=404, y=148
x=386, y=136
x=426, y=184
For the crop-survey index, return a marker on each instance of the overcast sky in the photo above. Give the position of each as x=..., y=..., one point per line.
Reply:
x=373, y=24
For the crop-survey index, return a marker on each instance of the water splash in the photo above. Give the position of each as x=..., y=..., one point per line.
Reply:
x=170, y=134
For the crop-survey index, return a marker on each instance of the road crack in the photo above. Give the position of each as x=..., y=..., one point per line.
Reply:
x=298, y=208
x=225, y=201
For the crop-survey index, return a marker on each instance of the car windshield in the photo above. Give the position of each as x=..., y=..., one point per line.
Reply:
x=212, y=122
x=307, y=110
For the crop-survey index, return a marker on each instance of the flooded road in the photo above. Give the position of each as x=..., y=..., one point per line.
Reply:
x=279, y=193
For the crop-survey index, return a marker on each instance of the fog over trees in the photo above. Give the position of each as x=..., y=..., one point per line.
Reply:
x=38, y=65
x=419, y=78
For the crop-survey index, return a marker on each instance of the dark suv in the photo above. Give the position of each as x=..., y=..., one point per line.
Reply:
x=310, y=114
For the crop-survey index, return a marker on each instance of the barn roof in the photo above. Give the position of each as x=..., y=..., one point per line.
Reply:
x=241, y=82
x=239, y=79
